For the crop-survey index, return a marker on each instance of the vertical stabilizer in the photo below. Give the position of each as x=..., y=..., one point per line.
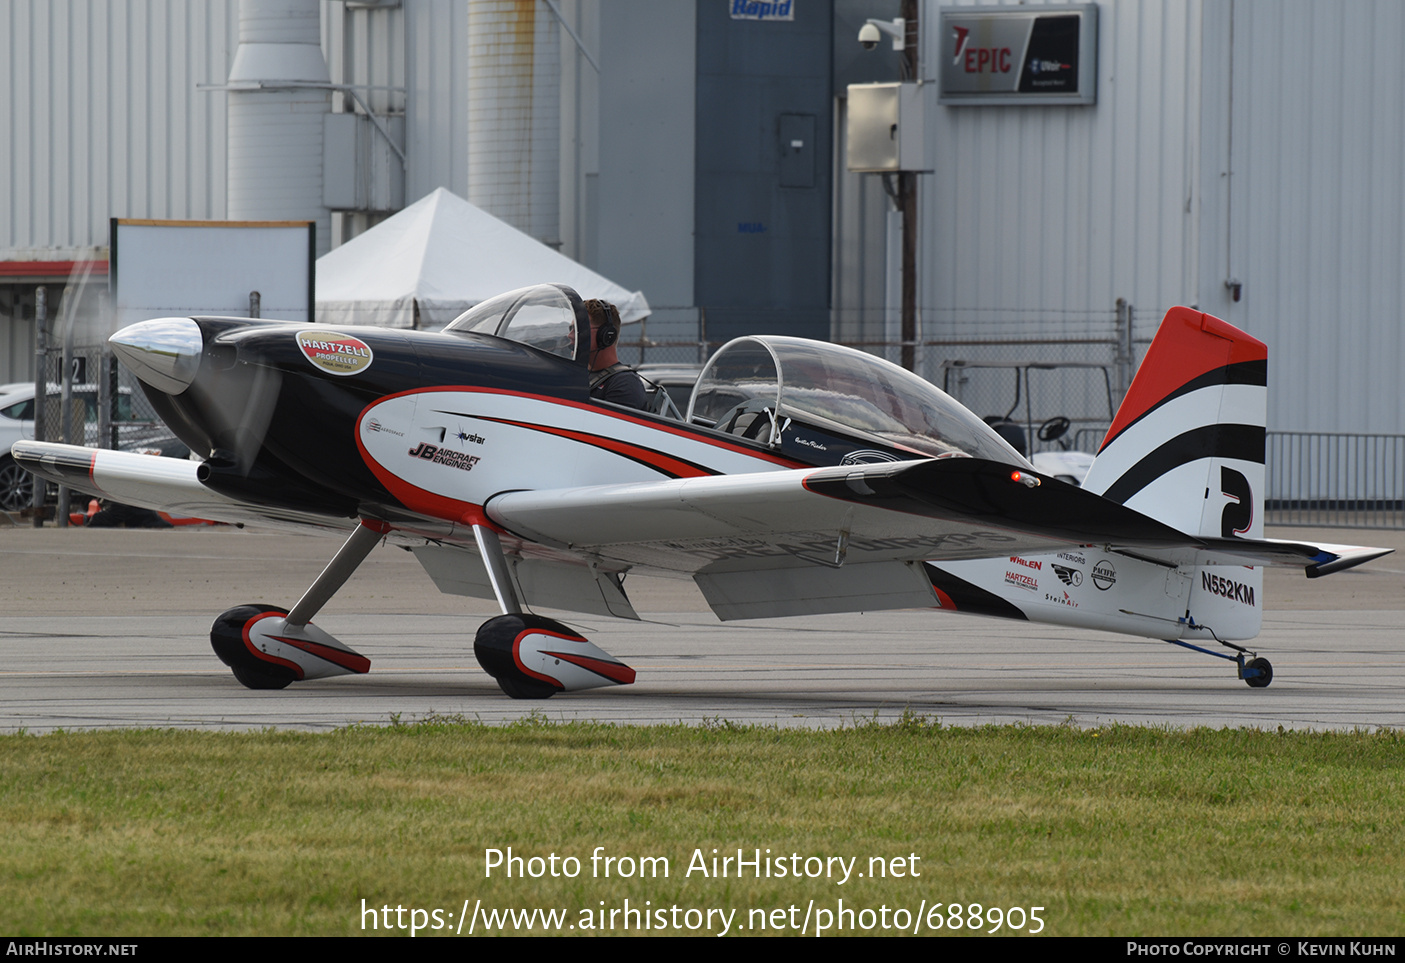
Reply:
x=1187, y=448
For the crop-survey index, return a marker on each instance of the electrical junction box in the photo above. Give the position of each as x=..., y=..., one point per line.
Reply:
x=361, y=171
x=886, y=127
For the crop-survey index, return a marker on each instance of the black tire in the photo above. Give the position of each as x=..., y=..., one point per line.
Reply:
x=526, y=688
x=227, y=639
x=252, y=678
x=493, y=645
x=1264, y=676
x=16, y=486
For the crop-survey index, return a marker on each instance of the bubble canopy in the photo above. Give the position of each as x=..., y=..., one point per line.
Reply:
x=751, y=385
x=548, y=317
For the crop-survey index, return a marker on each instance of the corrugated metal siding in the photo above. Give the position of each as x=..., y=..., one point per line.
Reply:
x=1037, y=219
x=366, y=47
x=1317, y=207
x=100, y=118
x=436, y=71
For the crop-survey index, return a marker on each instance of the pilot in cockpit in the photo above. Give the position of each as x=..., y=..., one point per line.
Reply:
x=610, y=379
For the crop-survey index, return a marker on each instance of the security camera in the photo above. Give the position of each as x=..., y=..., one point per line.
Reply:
x=872, y=32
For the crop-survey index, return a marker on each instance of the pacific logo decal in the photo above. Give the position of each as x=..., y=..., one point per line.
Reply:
x=1104, y=575
x=335, y=353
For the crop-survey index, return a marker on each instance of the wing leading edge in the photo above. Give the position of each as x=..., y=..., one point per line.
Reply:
x=942, y=509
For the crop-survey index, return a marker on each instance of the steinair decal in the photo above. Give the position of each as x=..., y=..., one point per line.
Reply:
x=1228, y=588
x=1104, y=575
x=335, y=353
x=1068, y=576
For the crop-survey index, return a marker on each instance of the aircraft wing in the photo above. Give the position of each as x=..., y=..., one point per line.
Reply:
x=149, y=481
x=760, y=544
x=839, y=539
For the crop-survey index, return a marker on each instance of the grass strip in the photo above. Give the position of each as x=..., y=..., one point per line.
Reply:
x=1118, y=831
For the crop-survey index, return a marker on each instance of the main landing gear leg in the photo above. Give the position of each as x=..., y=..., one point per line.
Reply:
x=268, y=647
x=532, y=657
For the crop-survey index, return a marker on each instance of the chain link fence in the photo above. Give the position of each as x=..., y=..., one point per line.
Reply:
x=991, y=363
x=1314, y=478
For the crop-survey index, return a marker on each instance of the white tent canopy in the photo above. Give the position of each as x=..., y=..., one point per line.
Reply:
x=443, y=255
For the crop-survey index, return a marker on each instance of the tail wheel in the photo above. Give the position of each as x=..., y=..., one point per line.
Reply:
x=1258, y=673
x=230, y=641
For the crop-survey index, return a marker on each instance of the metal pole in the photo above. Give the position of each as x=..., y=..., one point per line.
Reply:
x=907, y=191
x=255, y=304
x=66, y=397
x=107, y=387
x=41, y=388
x=1124, y=348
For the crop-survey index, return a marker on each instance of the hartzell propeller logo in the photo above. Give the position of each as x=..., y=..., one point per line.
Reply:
x=334, y=352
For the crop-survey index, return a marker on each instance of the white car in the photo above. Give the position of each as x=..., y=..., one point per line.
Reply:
x=17, y=423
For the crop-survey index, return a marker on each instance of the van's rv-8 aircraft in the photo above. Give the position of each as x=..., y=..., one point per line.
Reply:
x=804, y=478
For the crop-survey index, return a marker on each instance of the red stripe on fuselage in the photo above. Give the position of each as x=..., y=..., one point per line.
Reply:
x=680, y=431
x=673, y=467
x=453, y=509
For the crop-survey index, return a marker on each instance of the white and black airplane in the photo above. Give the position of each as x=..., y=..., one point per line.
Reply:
x=804, y=478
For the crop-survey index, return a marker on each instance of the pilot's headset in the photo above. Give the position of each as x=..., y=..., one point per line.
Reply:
x=609, y=331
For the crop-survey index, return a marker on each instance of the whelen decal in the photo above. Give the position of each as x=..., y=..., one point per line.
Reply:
x=1242, y=442
x=334, y=352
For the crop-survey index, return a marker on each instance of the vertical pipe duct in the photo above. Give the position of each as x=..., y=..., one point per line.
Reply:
x=275, y=126
x=514, y=115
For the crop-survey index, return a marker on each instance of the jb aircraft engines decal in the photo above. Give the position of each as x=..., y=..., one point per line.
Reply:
x=334, y=352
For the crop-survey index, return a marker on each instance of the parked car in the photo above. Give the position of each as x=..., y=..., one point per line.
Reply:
x=17, y=423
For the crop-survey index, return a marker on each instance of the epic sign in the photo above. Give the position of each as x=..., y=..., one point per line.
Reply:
x=1023, y=56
